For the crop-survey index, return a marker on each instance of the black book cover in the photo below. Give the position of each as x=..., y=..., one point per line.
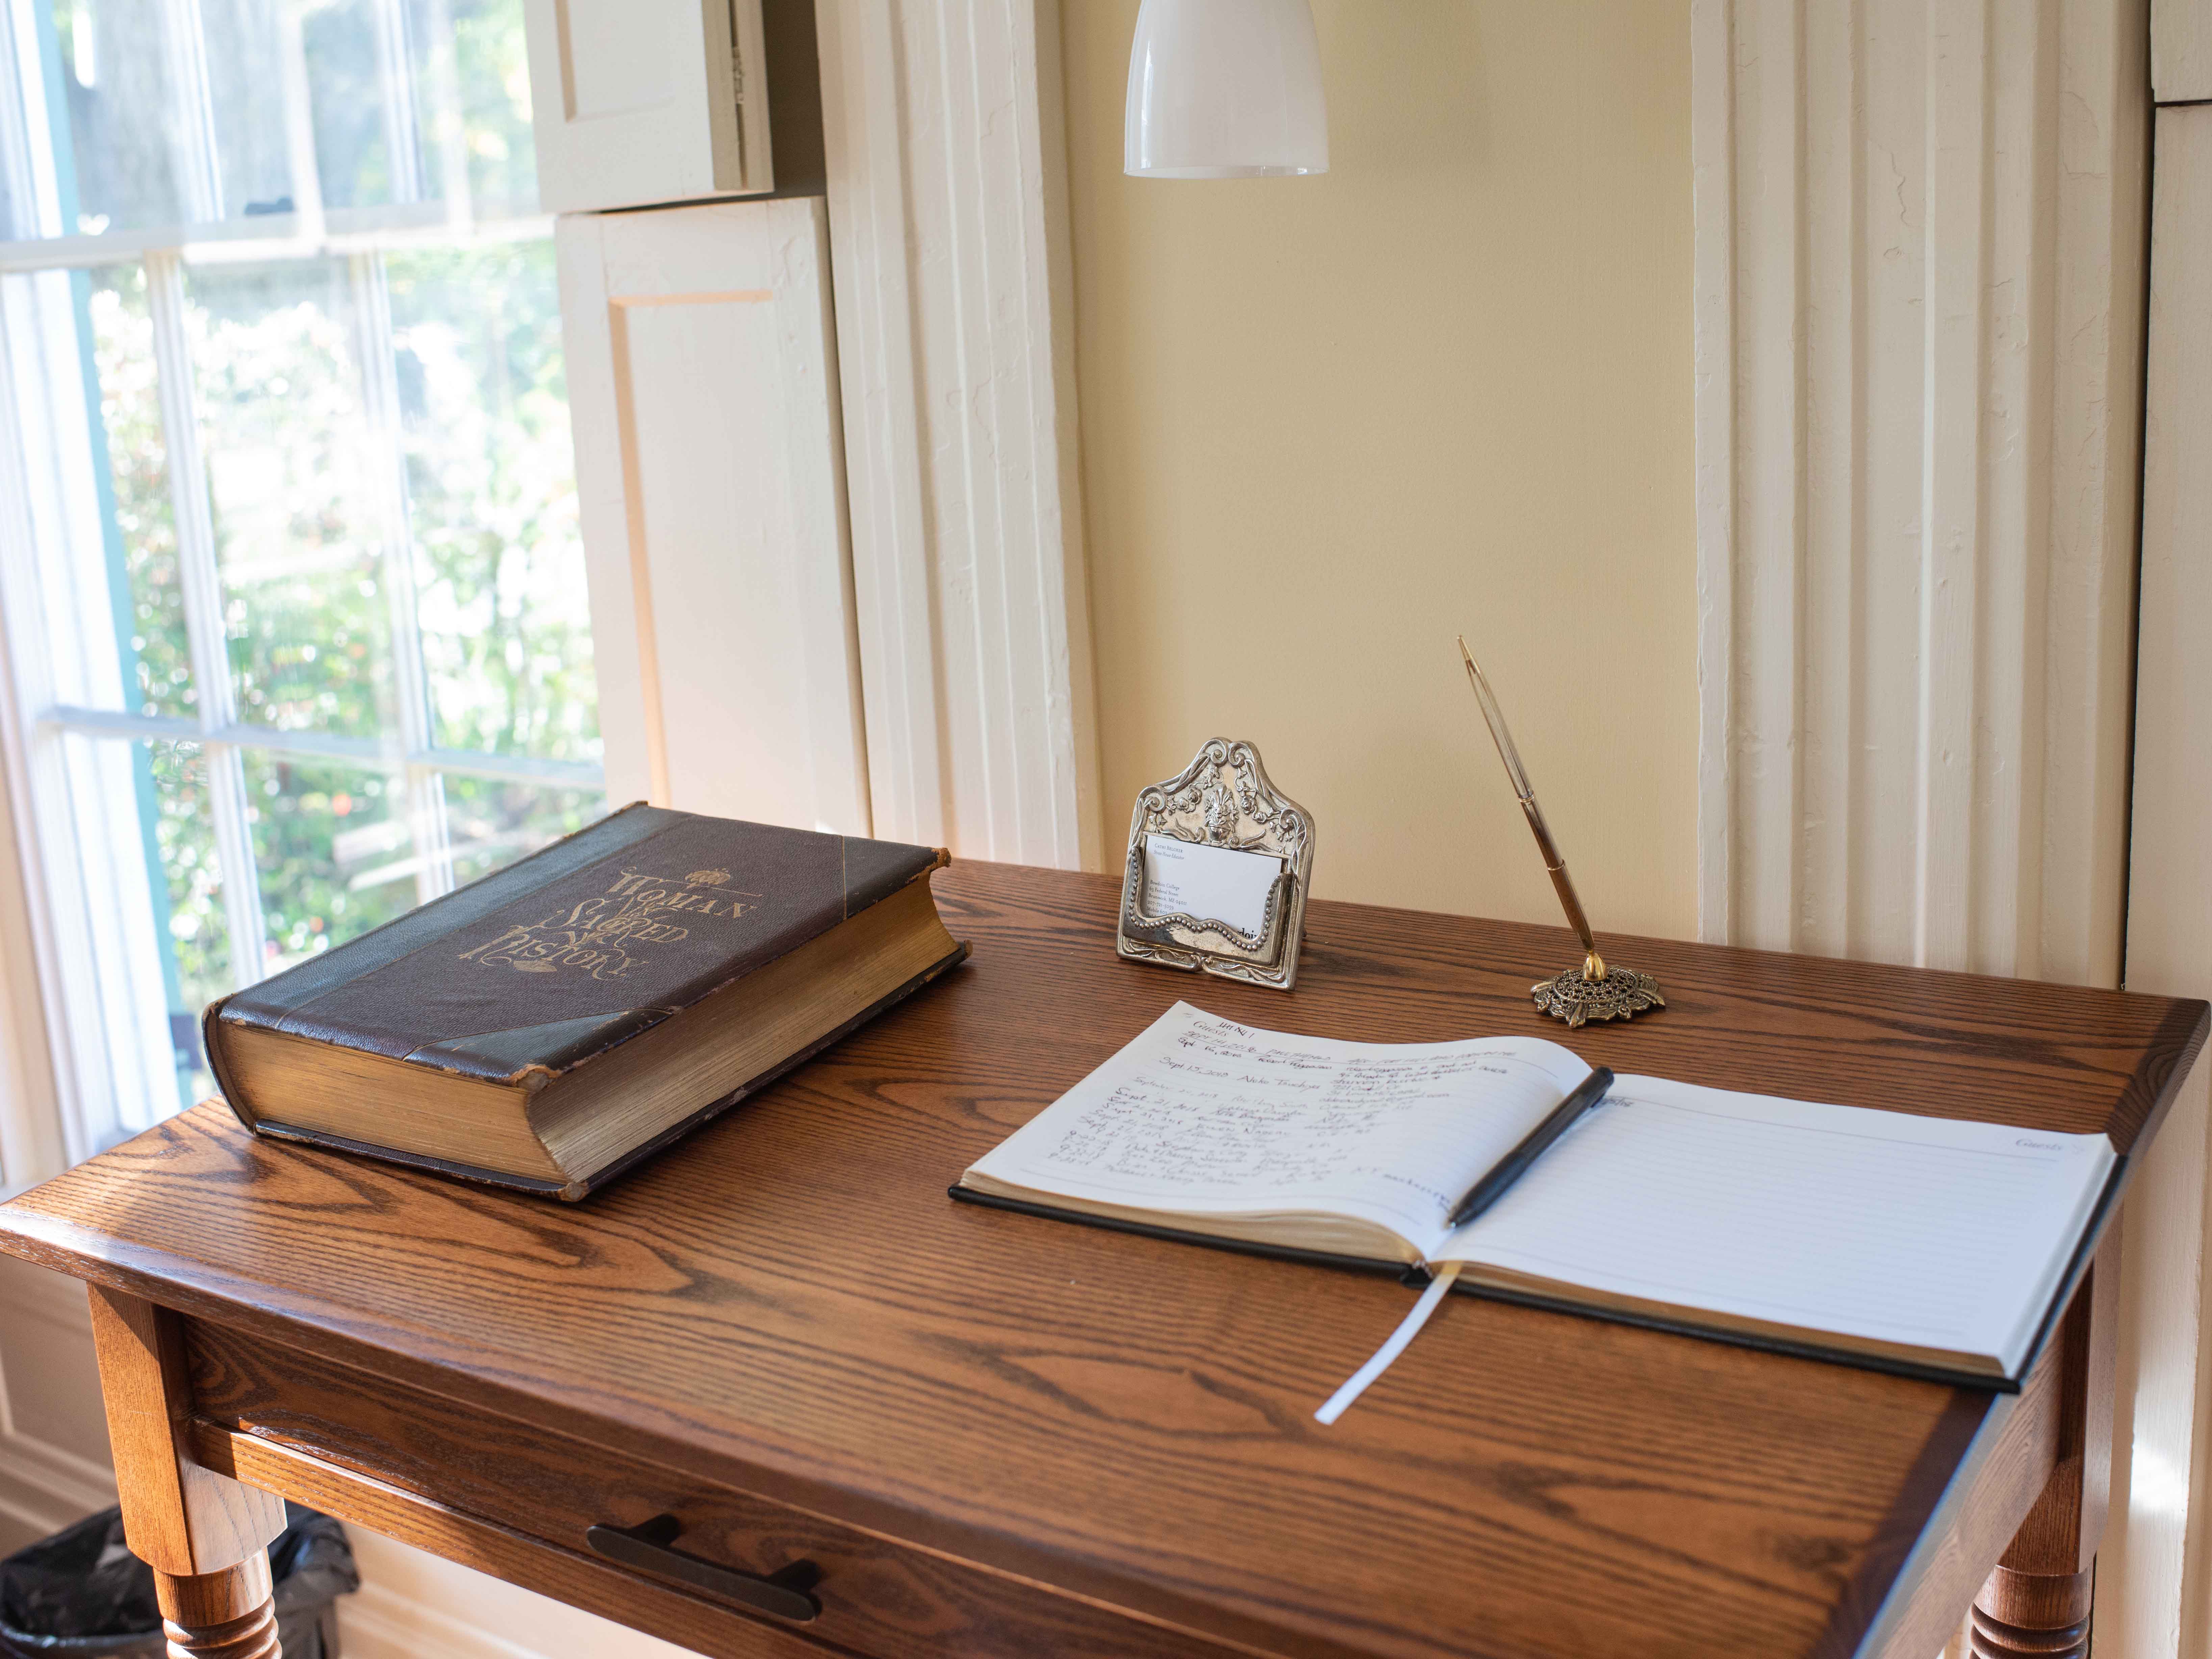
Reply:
x=1810, y=1346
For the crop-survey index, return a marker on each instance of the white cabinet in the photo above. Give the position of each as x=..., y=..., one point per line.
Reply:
x=702, y=387
x=642, y=101
x=2181, y=50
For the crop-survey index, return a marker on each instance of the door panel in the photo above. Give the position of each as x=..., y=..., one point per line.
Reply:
x=709, y=462
x=2181, y=50
x=641, y=101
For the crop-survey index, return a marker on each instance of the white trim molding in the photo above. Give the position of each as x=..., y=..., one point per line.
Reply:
x=2159, y=1545
x=1921, y=258
x=1919, y=269
x=947, y=178
x=31, y=1115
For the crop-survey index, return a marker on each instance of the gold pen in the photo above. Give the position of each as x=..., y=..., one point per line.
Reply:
x=1597, y=992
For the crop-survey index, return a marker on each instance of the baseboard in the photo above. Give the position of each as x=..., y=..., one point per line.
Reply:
x=42, y=1293
x=378, y=1623
x=46, y=1487
x=414, y=1606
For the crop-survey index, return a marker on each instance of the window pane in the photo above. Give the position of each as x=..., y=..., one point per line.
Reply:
x=494, y=822
x=371, y=75
x=93, y=489
x=380, y=138
x=116, y=136
x=352, y=159
x=243, y=51
x=197, y=934
x=332, y=846
x=492, y=501
x=166, y=114
x=275, y=364
x=492, y=67
x=156, y=654
x=151, y=888
x=161, y=123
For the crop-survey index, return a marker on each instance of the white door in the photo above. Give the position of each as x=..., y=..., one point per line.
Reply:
x=709, y=467
x=640, y=101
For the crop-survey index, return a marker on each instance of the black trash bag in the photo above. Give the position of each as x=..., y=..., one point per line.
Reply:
x=82, y=1595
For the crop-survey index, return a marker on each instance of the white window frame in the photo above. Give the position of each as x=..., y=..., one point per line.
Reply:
x=54, y=628
x=947, y=170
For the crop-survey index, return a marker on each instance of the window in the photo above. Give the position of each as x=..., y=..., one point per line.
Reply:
x=294, y=621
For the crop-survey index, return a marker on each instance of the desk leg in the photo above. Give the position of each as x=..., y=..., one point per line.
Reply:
x=205, y=1536
x=2036, y=1604
x=229, y=1614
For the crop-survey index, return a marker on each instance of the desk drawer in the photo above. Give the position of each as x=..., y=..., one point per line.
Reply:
x=878, y=1596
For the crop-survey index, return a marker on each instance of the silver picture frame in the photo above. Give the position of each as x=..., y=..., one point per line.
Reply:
x=1223, y=798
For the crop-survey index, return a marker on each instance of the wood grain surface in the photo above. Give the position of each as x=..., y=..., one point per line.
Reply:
x=788, y=1305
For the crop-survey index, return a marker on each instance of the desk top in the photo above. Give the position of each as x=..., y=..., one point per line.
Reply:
x=788, y=1303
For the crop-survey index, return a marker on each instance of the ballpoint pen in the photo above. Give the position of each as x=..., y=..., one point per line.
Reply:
x=1509, y=1169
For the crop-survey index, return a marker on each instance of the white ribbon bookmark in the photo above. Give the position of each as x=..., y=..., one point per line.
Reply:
x=1408, y=1328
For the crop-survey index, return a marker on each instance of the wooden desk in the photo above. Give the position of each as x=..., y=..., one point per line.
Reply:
x=1001, y=1436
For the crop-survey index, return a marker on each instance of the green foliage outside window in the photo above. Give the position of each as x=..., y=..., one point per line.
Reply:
x=488, y=496
x=492, y=501
x=184, y=831
x=131, y=412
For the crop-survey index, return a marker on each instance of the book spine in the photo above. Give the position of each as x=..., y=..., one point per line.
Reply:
x=584, y=1185
x=645, y=1149
x=218, y=1058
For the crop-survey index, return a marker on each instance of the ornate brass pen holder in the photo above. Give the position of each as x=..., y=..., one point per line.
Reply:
x=1577, y=995
x=1593, y=991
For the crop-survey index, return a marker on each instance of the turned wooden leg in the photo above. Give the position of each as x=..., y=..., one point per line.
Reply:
x=231, y=1614
x=2036, y=1604
x=205, y=1536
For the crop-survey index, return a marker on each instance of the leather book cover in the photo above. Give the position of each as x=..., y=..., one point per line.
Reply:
x=571, y=1191
x=582, y=945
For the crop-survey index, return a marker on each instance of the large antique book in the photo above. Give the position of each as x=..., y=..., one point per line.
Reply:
x=1932, y=1246
x=549, y=1025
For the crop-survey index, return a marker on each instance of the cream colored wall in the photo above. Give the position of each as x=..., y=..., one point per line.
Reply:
x=1329, y=421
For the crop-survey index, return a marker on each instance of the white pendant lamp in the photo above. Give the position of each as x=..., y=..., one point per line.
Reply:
x=1224, y=89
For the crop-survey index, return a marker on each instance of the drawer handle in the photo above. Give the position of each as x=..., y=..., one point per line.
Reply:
x=650, y=1544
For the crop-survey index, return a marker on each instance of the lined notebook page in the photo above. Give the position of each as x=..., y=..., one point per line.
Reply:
x=1880, y=1225
x=1201, y=1116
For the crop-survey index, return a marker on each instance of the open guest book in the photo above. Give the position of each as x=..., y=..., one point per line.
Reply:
x=1920, y=1244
